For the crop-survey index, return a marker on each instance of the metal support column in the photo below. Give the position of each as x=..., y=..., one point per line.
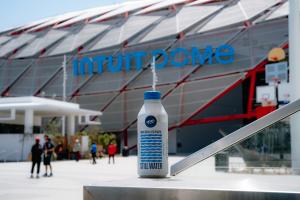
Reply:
x=294, y=52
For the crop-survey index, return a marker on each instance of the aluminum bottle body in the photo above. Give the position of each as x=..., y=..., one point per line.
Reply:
x=152, y=140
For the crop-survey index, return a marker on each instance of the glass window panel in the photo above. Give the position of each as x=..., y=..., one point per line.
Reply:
x=266, y=152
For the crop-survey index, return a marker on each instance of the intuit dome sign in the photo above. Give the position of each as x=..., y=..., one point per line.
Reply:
x=179, y=57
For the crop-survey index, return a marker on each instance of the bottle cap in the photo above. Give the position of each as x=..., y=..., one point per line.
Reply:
x=148, y=95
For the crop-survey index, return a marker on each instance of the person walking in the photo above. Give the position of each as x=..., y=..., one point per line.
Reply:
x=48, y=151
x=76, y=149
x=112, y=149
x=94, y=152
x=36, y=157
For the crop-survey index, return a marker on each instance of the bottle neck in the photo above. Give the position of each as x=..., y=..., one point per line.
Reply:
x=152, y=101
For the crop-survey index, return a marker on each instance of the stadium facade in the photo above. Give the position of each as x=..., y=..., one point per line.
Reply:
x=200, y=97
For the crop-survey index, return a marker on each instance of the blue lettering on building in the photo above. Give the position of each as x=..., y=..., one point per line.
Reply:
x=179, y=57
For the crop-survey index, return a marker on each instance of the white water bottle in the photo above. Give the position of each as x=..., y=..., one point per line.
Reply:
x=152, y=137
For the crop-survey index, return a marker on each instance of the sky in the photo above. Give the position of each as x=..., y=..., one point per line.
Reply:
x=14, y=13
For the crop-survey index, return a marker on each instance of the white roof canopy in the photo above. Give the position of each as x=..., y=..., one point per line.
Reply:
x=45, y=107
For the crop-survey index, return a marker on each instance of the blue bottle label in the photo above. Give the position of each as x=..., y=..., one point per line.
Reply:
x=151, y=147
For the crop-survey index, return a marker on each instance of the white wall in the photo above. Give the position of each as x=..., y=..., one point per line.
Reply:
x=16, y=147
x=20, y=120
x=85, y=144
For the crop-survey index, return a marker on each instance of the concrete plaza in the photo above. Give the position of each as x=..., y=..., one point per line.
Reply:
x=70, y=177
x=67, y=182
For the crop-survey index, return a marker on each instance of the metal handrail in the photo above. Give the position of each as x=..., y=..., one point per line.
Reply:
x=236, y=137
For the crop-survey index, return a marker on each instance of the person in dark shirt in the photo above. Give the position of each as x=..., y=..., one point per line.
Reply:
x=36, y=154
x=48, y=151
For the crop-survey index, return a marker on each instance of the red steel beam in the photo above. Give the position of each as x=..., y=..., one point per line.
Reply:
x=251, y=92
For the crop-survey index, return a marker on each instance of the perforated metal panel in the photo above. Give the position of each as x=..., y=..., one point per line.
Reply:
x=282, y=11
x=135, y=24
x=94, y=102
x=106, y=81
x=228, y=16
x=122, y=31
x=238, y=13
x=189, y=15
x=89, y=14
x=42, y=43
x=4, y=39
x=111, y=38
x=15, y=43
x=254, y=7
x=161, y=5
x=126, y=7
x=11, y=70
x=33, y=24
x=37, y=75
x=2, y=62
x=57, y=19
x=251, y=47
x=185, y=18
x=167, y=75
x=149, y=47
x=54, y=87
x=191, y=96
x=123, y=111
x=197, y=2
x=109, y=81
x=164, y=28
x=78, y=38
x=171, y=74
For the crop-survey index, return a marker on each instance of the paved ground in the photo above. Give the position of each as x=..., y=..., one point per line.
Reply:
x=67, y=182
x=70, y=177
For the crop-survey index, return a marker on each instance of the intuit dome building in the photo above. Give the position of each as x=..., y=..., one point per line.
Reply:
x=211, y=59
